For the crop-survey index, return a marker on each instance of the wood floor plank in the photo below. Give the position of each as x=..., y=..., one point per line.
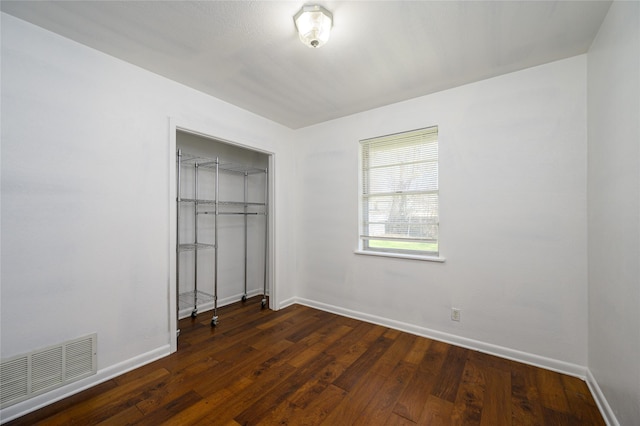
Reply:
x=326, y=333
x=397, y=420
x=446, y=385
x=581, y=402
x=352, y=406
x=316, y=385
x=343, y=348
x=433, y=357
x=436, y=412
x=279, y=415
x=395, y=354
x=279, y=393
x=302, y=366
x=485, y=360
x=349, y=355
x=318, y=344
x=411, y=402
x=175, y=385
x=417, y=351
x=553, y=397
x=318, y=319
x=208, y=407
x=171, y=408
x=467, y=408
x=312, y=414
x=226, y=374
x=257, y=320
x=361, y=367
x=129, y=416
x=386, y=397
x=526, y=407
x=496, y=407
x=274, y=334
x=264, y=380
x=274, y=320
x=556, y=418
x=392, y=334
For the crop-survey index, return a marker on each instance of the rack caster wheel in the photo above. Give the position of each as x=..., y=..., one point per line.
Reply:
x=244, y=298
x=194, y=313
x=214, y=322
x=263, y=304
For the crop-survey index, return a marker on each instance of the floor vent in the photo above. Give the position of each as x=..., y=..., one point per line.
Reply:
x=25, y=376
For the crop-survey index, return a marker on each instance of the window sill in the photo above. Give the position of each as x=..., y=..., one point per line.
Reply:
x=401, y=256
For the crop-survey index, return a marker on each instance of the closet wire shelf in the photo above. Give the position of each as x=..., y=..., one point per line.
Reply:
x=195, y=246
x=189, y=299
x=207, y=163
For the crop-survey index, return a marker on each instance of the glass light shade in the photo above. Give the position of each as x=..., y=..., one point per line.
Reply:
x=314, y=25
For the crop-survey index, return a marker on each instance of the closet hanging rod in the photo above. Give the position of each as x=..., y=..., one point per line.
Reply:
x=240, y=213
x=194, y=246
x=232, y=204
x=224, y=203
x=199, y=200
x=240, y=203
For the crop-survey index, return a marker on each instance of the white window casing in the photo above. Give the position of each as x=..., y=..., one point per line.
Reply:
x=399, y=212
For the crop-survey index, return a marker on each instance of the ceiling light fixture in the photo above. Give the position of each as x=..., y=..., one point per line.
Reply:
x=314, y=24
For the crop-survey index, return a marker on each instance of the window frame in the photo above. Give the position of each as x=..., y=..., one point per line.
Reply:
x=425, y=135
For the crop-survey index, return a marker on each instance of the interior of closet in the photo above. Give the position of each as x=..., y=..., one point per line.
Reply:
x=222, y=225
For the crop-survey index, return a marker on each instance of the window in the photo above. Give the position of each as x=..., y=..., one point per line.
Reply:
x=399, y=193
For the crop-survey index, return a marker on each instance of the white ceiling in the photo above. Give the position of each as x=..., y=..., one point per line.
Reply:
x=380, y=52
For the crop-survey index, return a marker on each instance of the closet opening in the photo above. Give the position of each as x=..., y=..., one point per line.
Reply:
x=221, y=227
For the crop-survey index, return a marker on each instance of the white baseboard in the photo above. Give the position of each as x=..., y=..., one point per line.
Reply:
x=37, y=402
x=501, y=351
x=601, y=401
x=288, y=302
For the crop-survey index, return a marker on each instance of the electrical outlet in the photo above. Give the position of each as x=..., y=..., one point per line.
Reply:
x=455, y=314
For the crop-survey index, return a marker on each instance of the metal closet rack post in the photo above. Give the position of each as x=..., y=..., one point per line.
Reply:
x=266, y=236
x=196, y=297
x=200, y=207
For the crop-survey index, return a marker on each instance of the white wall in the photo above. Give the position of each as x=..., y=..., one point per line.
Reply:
x=85, y=194
x=513, y=218
x=614, y=210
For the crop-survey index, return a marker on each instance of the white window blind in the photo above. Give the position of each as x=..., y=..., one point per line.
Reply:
x=399, y=194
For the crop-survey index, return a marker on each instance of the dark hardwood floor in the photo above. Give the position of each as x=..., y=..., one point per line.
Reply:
x=301, y=366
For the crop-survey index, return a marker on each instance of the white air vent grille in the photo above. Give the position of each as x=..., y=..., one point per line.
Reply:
x=13, y=379
x=78, y=360
x=27, y=375
x=46, y=369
